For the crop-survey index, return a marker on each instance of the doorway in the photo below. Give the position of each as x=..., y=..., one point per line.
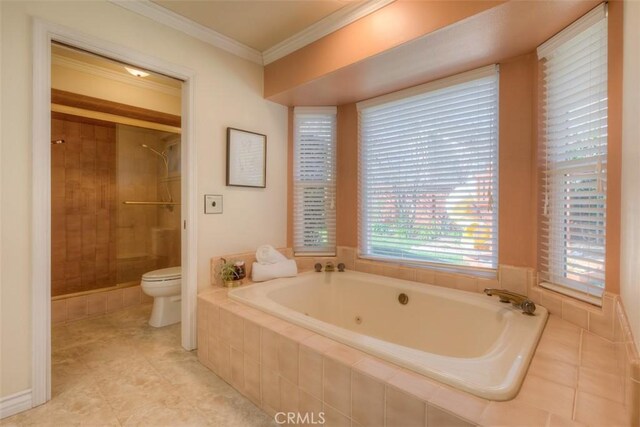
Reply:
x=44, y=35
x=115, y=187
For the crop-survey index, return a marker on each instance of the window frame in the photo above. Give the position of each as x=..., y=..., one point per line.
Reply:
x=399, y=97
x=583, y=291
x=300, y=113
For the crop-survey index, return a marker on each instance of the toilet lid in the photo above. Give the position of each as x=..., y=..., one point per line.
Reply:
x=163, y=274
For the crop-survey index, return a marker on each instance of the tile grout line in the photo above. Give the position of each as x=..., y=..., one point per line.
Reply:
x=575, y=396
x=107, y=401
x=114, y=326
x=426, y=413
x=384, y=411
x=168, y=382
x=351, y=395
x=83, y=351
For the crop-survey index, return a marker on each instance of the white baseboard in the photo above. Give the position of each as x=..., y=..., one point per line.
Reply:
x=15, y=403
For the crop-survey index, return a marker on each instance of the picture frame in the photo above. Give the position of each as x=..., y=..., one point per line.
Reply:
x=246, y=159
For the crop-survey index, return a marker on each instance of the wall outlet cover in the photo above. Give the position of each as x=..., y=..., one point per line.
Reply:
x=212, y=204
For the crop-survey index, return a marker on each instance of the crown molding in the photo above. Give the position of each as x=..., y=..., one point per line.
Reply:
x=337, y=20
x=178, y=22
x=96, y=70
x=322, y=28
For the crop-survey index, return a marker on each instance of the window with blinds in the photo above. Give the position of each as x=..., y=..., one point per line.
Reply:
x=429, y=172
x=574, y=152
x=314, y=181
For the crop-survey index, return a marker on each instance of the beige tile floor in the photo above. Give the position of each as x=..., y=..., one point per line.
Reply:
x=116, y=370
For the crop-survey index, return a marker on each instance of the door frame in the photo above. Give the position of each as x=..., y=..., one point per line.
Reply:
x=44, y=33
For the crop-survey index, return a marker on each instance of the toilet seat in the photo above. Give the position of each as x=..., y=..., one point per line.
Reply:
x=163, y=274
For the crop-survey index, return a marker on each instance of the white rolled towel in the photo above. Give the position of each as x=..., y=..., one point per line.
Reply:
x=267, y=254
x=262, y=272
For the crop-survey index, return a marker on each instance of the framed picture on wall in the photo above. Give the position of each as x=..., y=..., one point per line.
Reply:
x=246, y=159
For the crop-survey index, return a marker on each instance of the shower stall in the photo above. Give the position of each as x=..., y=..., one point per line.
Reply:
x=115, y=199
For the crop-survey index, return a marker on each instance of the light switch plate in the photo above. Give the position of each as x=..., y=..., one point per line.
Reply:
x=212, y=204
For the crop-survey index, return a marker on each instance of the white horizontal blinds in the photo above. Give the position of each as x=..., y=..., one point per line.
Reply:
x=429, y=175
x=314, y=186
x=574, y=93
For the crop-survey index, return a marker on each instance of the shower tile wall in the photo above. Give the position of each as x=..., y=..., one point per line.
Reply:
x=83, y=194
x=97, y=241
x=169, y=220
x=148, y=237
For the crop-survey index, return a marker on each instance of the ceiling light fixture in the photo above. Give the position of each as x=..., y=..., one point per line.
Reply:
x=136, y=72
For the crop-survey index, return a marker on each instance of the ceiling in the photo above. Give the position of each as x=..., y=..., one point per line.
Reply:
x=257, y=24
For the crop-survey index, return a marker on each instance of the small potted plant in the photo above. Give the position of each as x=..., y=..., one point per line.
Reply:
x=232, y=272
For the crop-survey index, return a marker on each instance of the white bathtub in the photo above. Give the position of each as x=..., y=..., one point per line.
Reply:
x=469, y=341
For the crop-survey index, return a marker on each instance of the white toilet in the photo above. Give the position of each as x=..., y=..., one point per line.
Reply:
x=164, y=286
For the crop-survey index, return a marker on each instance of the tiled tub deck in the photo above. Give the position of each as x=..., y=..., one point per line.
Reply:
x=575, y=377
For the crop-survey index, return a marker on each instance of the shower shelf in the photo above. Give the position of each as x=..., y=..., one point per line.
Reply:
x=152, y=203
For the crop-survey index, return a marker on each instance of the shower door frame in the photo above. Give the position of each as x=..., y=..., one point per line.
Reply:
x=44, y=33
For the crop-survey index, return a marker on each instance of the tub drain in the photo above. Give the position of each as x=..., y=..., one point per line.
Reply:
x=403, y=299
x=358, y=319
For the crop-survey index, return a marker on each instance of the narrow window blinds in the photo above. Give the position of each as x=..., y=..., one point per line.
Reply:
x=314, y=186
x=574, y=152
x=429, y=172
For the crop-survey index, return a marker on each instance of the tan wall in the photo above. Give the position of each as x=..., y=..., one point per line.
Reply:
x=630, y=244
x=83, y=207
x=516, y=213
x=366, y=37
x=347, y=189
x=228, y=92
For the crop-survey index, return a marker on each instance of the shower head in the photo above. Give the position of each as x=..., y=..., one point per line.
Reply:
x=165, y=160
x=163, y=155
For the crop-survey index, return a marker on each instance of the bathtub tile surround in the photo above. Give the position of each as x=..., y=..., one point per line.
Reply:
x=579, y=340
x=514, y=279
x=353, y=388
x=338, y=300
x=96, y=304
x=517, y=279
